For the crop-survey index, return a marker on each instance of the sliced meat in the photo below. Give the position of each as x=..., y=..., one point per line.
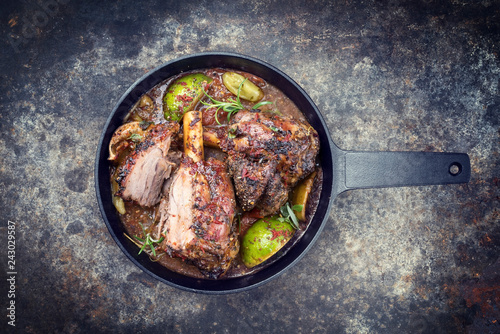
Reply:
x=141, y=175
x=197, y=216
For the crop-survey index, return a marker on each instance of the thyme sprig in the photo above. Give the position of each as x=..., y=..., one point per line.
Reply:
x=288, y=214
x=231, y=106
x=148, y=241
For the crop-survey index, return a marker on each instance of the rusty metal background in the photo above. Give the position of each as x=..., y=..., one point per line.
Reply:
x=402, y=75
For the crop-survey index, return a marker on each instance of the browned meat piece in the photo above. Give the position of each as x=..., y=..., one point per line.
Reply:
x=250, y=178
x=197, y=213
x=197, y=216
x=141, y=175
x=270, y=152
x=275, y=196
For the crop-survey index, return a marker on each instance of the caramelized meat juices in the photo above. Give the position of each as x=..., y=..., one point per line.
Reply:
x=186, y=197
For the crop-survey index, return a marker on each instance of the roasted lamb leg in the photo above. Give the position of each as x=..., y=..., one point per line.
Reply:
x=197, y=212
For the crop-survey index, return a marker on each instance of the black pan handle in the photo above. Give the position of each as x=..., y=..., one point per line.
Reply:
x=397, y=169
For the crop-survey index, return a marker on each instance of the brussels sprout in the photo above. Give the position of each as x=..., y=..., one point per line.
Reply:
x=183, y=94
x=263, y=239
x=249, y=91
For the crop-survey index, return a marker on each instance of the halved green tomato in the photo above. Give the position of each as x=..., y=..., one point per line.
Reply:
x=264, y=239
x=300, y=195
x=183, y=94
x=249, y=91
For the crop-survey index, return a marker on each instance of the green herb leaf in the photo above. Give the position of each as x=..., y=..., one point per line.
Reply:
x=231, y=133
x=142, y=248
x=260, y=104
x=148, y=241
x=284, y=211
x=297, y=207
x=152, y=247
x=288, y=215
x=291, y=215
x=141, y=240
x=275, y=129
x=135, y=137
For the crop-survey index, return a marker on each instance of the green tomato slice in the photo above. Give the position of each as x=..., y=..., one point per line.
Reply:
x=249, y=91
x=183, y=94
x=264, y=239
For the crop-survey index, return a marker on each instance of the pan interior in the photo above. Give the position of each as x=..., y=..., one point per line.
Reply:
x=202, y=61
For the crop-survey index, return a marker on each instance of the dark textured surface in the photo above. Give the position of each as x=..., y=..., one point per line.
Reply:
x=408, y=75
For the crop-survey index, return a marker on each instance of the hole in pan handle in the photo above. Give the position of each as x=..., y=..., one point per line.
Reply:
x=399, y=169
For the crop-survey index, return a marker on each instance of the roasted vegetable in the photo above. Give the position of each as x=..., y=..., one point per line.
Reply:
x=145, y=108
x=263, y=239
x=183, y=94
x=301, y=194
x=117, y=201
x=249, y=91
x=133, y=131
x=146, y=103
x=193, y=135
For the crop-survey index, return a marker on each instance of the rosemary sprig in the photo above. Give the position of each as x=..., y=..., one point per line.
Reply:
x=148, y=241
x=231, y=106
x=260, y=104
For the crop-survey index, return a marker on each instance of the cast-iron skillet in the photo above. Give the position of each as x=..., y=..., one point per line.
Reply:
x=343, y=170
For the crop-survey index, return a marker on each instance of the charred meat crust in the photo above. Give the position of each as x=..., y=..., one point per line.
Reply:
x=261, y=143
x=197, y=217
x=250, y=178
